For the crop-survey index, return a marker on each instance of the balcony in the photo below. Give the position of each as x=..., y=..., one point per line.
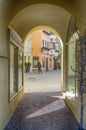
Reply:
x=45, y=48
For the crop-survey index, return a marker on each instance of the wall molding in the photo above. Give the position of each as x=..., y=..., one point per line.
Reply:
x=4, y=57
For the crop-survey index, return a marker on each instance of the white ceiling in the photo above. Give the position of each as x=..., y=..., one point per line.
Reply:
x=41, y=14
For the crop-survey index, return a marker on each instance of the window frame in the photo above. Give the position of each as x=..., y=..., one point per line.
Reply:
x=20, y=49
x=18, y=44
x=11, y=96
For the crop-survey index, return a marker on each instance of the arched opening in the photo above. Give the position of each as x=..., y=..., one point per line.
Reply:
x=48, y=61
x=59, y=41
x=48, y=15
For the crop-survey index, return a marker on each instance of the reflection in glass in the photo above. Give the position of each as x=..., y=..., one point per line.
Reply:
x=35, y=61
x=71, y=63
x=20, y=69
x=13, y=77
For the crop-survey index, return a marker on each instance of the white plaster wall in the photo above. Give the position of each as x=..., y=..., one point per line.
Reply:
x=3, y=91
x=3, y=70
x=6, y=109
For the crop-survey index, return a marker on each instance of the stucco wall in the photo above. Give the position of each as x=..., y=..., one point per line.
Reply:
x=6, y=108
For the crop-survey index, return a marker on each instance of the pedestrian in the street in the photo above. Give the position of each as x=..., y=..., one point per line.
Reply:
x=39, y=68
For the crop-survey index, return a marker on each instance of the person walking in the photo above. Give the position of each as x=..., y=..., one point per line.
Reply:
x=39, y=68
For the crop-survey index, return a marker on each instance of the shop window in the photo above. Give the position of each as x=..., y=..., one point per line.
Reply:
x=43, y=62
x=50, y=62
x=13, y=69
x=15, y=52
x=71, y=63
x=35, y=61
x=20, y=69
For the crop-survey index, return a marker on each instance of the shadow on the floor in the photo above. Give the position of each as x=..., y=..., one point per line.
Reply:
x=42, y=111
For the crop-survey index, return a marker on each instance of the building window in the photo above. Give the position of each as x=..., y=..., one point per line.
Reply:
x=35, y=61
x=43, y=62
x=13, y=69
x=49, y=45
x=50, y=62
x=20, y=69
x=43, y=42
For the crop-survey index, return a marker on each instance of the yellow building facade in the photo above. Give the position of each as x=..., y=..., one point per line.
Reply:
x=40, y=50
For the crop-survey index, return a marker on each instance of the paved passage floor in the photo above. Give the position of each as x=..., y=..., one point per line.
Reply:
x=43, y=106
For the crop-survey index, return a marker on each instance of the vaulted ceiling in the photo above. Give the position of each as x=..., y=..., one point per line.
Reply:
x=41, y=14
x=24, y=15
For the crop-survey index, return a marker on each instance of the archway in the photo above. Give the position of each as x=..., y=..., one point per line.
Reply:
x=41, y=14
x=60, y=40
x=8, y=11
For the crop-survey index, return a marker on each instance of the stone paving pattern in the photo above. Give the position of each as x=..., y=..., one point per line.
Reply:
x=42, y=111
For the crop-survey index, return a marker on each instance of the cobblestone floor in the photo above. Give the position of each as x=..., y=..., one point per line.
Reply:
x=42, y=111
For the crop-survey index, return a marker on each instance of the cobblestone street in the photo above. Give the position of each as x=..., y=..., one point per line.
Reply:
x=43, y=106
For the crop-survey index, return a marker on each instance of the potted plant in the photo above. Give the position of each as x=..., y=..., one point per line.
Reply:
x=27, y=66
